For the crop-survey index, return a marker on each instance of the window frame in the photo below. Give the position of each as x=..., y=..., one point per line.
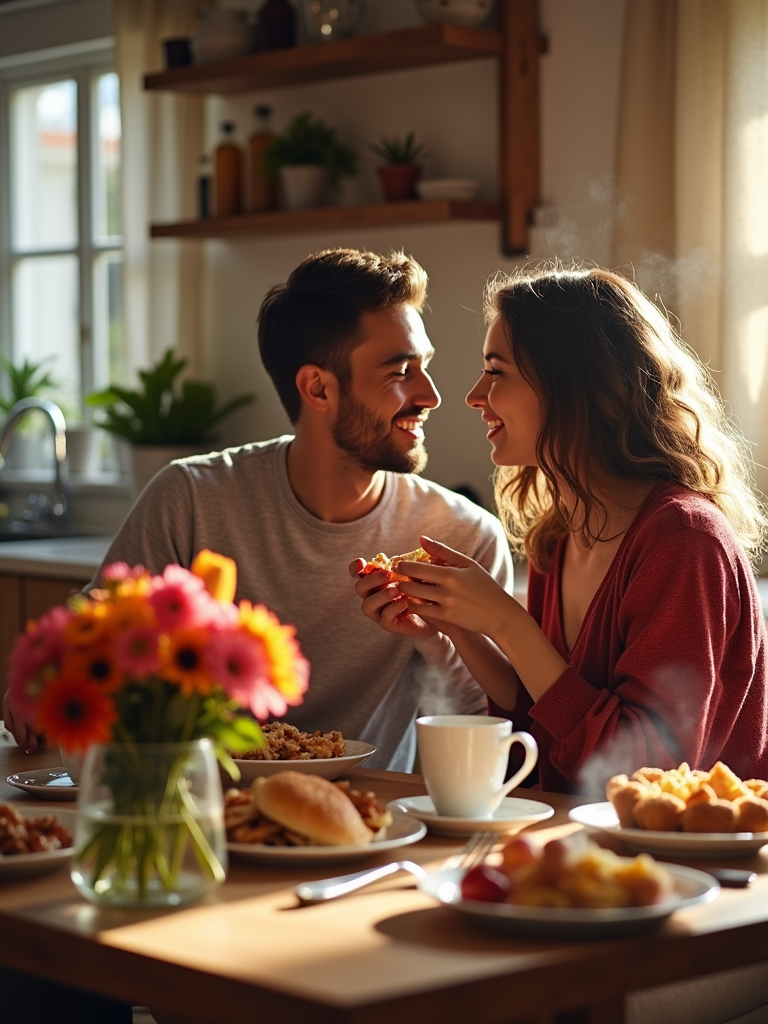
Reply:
x=81, y=63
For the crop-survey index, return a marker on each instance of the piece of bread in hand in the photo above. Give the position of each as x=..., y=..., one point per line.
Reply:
x=311, y=807
x=389, y=565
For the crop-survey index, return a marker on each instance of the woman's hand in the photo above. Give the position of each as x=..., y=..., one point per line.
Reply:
x=459, y=593
x=384, y=605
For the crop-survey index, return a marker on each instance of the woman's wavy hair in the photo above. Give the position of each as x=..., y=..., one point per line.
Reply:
x=620, y=394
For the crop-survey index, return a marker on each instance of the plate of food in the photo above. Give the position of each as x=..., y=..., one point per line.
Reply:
x=569, y=891
x=327, y=754
x=292, y=816
x=34, y=841
x=682, y=811
x=46, y=783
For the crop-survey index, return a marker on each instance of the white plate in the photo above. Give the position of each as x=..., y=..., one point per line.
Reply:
x=327, y=767
x=511, y=814
x=603, y=817
x=403, y=831
x=690, y=887
x=17, y=865
x=46, y=783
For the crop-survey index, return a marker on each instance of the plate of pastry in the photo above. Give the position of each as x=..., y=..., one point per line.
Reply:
x=293, y=816
x=603, y=817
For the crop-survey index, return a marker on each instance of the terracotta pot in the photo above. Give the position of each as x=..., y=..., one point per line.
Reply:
x=398, y=181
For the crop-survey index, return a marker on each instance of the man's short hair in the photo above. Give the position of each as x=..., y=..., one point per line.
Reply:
x=315, y=316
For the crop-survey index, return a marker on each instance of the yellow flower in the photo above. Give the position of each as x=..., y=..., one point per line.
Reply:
x=288, y=670
x=218, y=573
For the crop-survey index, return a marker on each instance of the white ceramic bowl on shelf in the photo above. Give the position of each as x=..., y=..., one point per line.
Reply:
x=470, y=13
x=447, y=188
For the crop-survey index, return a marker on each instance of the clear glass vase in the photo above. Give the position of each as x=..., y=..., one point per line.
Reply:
x=150, y=824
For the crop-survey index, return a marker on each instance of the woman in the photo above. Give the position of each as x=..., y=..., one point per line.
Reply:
x=621, y=480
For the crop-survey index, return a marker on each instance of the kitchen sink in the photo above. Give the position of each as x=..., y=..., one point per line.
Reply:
x=16, y=530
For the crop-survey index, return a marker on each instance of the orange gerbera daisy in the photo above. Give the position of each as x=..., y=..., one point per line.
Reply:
x=129, y=611
x=97, y=664
x=74, y=713
x=89, y=624
x=183, y=660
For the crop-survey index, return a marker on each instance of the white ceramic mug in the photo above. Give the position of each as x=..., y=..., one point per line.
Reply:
x=464, y=760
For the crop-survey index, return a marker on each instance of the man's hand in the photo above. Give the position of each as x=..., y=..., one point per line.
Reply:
x=384, y=605
x=21, y=731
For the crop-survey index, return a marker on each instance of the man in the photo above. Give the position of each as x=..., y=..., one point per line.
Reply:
x=345, y=346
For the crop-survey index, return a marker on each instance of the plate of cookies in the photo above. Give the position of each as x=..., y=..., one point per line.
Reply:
x=683, y=811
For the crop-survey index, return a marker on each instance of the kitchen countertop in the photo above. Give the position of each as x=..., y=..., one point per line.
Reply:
x=62, y=558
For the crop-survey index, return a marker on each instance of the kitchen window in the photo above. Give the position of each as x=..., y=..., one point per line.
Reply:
x=60, y=222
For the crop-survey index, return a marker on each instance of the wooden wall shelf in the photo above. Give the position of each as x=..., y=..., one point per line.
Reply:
x=363, y=55
x=517, y=45
x=284, y=222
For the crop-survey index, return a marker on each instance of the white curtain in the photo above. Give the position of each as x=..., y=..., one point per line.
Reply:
x=162, y=141
x=692, y=176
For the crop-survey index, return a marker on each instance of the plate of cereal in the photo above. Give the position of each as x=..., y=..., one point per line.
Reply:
x=683, y=811
x=34, y=840
x=328, y=754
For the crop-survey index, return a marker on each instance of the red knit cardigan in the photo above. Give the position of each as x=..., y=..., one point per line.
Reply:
x=670, y=662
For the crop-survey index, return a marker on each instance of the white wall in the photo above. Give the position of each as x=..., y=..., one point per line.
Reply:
x=454, y=109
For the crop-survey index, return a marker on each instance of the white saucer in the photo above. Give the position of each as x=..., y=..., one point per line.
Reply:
x=511, y=814
x=46, y=783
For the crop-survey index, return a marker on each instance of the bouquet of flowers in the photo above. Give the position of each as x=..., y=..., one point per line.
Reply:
x=150, y=660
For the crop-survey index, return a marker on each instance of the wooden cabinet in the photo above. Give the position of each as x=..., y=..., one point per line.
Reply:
x=23, y=598
x=516, y=46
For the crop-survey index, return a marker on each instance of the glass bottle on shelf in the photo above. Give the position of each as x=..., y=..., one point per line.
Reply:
x=275, y=25
x=263, y=190
x=228, y=173
x=204, y=186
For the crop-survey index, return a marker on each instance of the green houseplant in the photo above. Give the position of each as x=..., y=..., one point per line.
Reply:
x=400, y=169
x=307, y=158
x=27, y=379
x=163, y=419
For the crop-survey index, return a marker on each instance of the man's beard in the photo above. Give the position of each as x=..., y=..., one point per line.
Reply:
x=368, y=439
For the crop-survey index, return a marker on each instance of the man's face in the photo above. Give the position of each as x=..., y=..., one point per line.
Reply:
x=380, y=421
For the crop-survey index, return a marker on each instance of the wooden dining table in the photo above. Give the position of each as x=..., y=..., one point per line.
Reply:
x=250, y=952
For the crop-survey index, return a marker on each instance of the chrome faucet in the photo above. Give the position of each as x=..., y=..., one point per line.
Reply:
x=58, y=508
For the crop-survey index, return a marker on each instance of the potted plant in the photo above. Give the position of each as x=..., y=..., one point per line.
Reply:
x=308, y=158
x=401, y=169
x=160, y=420
x=27, y=379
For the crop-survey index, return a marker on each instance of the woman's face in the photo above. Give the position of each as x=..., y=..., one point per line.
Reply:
x=509, y=405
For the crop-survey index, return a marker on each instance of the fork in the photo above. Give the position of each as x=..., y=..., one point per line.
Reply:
x=473, y=853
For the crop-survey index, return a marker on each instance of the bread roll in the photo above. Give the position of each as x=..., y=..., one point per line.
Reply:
x=312, y=807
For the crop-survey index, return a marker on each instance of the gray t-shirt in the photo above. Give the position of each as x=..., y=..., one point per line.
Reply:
x=364, y=681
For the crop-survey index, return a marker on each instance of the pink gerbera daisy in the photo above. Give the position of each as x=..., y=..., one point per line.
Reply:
x=137, y=650
x=180, y=600
x=40, y=646
x=241, y=664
